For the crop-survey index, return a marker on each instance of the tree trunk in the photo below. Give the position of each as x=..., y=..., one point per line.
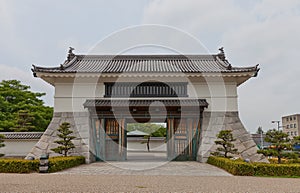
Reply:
x=148, y=144
x=279, y=157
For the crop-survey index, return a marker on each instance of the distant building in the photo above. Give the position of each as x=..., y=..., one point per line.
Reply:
x=291, y=125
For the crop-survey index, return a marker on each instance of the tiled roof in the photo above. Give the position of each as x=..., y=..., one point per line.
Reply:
x=145, y=64
x=126, y=103
x=22, y=135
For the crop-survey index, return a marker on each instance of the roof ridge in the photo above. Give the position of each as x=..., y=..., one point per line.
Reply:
x=148, y=56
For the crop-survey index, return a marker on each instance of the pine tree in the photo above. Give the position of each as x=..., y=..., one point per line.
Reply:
x=280, y=141
x=65, y=143
x=24, y=121
x=2, y=143
x=225, y=141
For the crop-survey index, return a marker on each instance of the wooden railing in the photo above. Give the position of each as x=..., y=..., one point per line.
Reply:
x=146, y=89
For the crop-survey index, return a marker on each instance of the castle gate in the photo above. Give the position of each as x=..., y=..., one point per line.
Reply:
x=109, y=117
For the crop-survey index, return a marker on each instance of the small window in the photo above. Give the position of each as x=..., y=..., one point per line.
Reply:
x=295, y=126
x=291, y=118
x=287, y=126
x=291, y=125
x=296, y=133
x=291, y=133
x=294, y=118
x=287, y=119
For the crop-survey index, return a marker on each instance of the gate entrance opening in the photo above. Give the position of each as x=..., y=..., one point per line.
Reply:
x=146, y=141
x=109, y=120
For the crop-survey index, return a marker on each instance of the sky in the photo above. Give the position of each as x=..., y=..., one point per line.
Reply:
x=264, y=32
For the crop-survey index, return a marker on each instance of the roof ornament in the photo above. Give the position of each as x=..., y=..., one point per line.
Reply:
x=222, y=50
x=33, y=70
x=221, y=54
x=257, y=70
x=71, y=55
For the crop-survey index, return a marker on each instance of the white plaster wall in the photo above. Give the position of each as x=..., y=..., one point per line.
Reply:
x=140, y=144
x=221, y=95
x=69, y=97
x=18, y=148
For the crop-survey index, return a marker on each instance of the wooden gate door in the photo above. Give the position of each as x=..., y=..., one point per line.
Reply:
x=109, y=139
x=182, y=138
x=115, y=140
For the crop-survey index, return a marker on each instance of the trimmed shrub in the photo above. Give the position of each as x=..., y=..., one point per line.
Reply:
x=61, y=163
x=18, y=166
x=28, y=166
x=238, y=167
x=277, y=170
x=235, y=167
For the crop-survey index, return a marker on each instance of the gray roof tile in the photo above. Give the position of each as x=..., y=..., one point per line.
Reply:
x=145, y=64
x=22, y=135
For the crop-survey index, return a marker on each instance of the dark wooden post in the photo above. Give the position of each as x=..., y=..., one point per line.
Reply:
x=170, y=142
x=102, y=139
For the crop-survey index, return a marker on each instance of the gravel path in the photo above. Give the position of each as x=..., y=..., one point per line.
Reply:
x=133, y=176
x=135, y=183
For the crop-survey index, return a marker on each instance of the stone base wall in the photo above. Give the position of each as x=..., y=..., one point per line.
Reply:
x=79, y=122
x=213, y=122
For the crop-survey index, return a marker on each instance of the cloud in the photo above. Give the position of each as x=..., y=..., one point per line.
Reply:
x=6, y=20
x=204, y=19
x=265, y=32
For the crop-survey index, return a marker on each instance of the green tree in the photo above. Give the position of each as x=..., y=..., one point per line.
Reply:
x=15, y=99
x=225, y=141
x=279, y=141
x=24, y=121
x=2, y=143
x=156, y=130
x=259, y=130
x=65, y=143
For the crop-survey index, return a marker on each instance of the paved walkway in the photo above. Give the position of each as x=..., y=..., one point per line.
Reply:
x=133, y=183
x=144, y=176
x=147, y=168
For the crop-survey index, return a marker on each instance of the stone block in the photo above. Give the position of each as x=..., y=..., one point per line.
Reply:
x=249, y=144
x=38, y=152
x=49, y=131
x=77, y=142
x=246, y=137
x=250, y=152
x=238, y=132
x=57, y=114
x=42, y=145
x=52, y=145
x=55, y=120
x=82, y=120
x=84, y=148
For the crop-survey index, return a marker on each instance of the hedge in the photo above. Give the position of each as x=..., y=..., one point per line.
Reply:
x=237, y=167
x=61, y=163
x=28, y=166
x=241, y=168
x=18, y=166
